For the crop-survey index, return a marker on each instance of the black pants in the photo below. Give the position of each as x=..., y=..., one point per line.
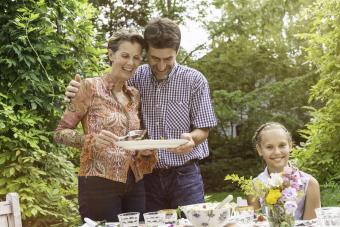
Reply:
x=103, y=199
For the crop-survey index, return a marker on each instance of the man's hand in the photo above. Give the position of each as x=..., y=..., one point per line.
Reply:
x=104, y=140
x=185, y=148
x=73, y=88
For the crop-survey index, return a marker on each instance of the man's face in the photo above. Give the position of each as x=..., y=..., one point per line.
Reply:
x=161, y=61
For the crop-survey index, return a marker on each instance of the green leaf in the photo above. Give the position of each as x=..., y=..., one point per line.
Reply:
x=2, y=182
x=2, y=160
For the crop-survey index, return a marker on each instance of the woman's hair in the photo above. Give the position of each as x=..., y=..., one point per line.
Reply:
x=269, y=125
x=162, y=33
x=124, y=35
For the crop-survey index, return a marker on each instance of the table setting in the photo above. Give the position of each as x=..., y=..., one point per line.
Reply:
x=224, y=214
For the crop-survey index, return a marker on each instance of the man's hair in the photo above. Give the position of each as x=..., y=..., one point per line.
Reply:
x=124, y=35
x=162, y=33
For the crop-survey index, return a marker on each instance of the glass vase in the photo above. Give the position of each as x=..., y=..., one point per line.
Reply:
x=277, y=217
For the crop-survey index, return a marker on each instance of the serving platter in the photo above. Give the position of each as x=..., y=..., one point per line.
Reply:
x=150, y=144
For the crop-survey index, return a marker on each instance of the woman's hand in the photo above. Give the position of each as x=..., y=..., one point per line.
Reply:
x=145, y=153
x=104, y=140
x=146, y=160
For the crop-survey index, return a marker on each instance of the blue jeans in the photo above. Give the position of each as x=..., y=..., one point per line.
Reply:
x=103, y=199
x=173, y=187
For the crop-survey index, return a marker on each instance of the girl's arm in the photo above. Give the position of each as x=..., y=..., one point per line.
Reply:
x=312, y=199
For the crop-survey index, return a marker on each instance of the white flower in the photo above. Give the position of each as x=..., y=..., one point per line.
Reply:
x=275, y=180
x=290, y=207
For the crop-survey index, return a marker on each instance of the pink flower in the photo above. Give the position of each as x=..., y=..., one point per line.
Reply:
x=286, y=180
x=295, y=185
x=295, y=176
x=287, y=170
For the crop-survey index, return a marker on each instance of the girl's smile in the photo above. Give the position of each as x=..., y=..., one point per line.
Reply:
x=274, y=148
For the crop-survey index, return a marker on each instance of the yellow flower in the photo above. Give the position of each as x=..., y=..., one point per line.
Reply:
x=273, y=196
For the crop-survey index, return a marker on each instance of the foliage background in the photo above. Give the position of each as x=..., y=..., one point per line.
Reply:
x=266, y=60
x=43, y=43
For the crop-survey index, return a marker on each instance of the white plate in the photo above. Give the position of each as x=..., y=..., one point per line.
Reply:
x=150, y=144
x=112, y=224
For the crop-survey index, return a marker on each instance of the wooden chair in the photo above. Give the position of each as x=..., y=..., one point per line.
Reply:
x=10, y=215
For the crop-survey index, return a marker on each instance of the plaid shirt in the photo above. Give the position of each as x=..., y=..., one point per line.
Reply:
x=174, y=106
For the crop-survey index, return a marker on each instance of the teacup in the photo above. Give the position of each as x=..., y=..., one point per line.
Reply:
x=130, y=219
x=154, y=219
x=170, y=216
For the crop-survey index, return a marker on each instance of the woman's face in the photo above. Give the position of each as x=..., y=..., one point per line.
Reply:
x=274, y=148
x=126, y=59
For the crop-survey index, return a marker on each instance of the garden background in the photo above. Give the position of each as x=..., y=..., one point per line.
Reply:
x=266, y=60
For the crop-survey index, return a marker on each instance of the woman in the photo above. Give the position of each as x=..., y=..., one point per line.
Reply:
x=110, y=178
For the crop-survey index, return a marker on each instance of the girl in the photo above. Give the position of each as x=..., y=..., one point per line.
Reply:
x=273, y=143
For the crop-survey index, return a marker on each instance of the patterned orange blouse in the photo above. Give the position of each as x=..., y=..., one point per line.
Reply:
x=97, y=108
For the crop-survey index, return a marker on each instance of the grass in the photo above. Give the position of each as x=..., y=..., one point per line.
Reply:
x=219, y=196
x=330, y=196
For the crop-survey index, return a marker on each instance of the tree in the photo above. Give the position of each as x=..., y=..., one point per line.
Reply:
x=257, y=73
x=320, y=155
x=171, y=9
x=42, y=44
x=117, y=14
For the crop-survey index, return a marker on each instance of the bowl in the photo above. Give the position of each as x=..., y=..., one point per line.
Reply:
x=170, y=216
x=328, y=216
x=205, y=214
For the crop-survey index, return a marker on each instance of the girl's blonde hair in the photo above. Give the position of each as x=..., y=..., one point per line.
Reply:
x=269, y=125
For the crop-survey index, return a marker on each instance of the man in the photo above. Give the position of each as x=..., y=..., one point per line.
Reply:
x=175, y=103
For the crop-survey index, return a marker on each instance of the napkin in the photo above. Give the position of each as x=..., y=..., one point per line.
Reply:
x=89, y=223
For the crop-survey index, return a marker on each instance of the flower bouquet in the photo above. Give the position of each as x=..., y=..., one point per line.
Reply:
x=280, y=196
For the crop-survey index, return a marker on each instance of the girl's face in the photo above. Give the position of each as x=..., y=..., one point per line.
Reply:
x=274, y=148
